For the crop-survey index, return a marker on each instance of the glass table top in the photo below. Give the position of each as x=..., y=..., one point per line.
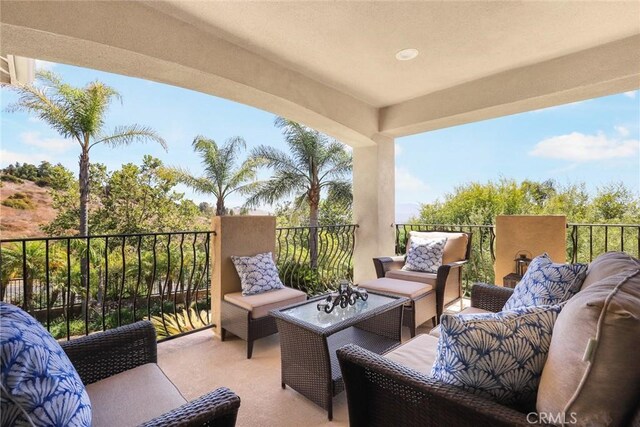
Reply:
x=309, y=312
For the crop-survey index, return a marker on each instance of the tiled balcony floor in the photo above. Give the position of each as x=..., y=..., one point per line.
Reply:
x=199, y=363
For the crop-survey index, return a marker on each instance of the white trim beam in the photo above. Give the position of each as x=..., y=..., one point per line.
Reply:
x=599, y=71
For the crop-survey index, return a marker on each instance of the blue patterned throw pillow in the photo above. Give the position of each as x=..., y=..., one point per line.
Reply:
x=547, y=283
x=257, y=273
x=424, y=254
x=40, y=386
x=496, y=355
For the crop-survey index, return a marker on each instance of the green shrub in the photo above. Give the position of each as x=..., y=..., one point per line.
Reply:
x=301, y=276
x=59, y=328
x=176, y=323
x=19, y=201
x=11, y=178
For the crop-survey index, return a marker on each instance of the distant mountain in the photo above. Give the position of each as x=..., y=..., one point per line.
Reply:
x=238, y=209
x=406, y=211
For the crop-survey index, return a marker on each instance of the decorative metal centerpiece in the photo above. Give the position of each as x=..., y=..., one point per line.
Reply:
x=345, y=296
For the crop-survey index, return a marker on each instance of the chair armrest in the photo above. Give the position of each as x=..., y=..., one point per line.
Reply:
x=218, y=408
x=381, y=392
x=388, y=263
x=441, y=283
x=489, y=297
x=107, y=353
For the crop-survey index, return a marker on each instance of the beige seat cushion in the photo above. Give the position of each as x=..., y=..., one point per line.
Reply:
x=412, y=276
x=397, y=287
x=435, y=332
x=608, y=264
x=604, y=389
x=260, y=304
x=133, y=397
x=417, y=354
x=454, y=250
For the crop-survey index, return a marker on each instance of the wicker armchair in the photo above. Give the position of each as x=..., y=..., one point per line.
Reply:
x=447, y=282
x=381, y=392
x=105, y=354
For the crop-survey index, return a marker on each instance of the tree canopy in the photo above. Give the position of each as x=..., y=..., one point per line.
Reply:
x=79, y=114
x=223, y=175
x=133, y=199
x=479, y=203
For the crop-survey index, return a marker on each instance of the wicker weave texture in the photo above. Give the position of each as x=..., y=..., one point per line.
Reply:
x=218, y=408
x=489, y=297
x=108, y=353
x=383, y=393
x=308, y=359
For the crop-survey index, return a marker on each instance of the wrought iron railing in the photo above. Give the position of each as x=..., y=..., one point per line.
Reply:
x=313, y=259
x=584, y=243
x=79, y=285
x=587, y=241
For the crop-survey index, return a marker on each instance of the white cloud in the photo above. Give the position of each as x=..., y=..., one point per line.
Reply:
x=631, y=94
x=9, y=157
x=57, y=145
x=578, y=147
x=622, y=131
x=44, y=65
x=409, y=183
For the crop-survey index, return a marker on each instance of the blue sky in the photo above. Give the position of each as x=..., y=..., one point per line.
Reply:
x=594, y=141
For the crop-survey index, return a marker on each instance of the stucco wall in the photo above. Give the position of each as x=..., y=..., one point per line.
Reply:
x=238, y=236
x=534, y=234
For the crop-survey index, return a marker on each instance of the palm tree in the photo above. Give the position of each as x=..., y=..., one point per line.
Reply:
x=26, y=261
x=78, y=113
x=221, y=176
x=316, y=164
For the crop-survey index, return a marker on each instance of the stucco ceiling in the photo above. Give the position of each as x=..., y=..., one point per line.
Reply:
x=351, y=45
x=331, y=65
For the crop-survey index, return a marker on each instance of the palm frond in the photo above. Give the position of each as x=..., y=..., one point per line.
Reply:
x=91, y=104
x=340, y=192
x=127, y=135
x=246, y=172
x=268, y=192
x=201, y=185
x=52, y=108
x=277, y=160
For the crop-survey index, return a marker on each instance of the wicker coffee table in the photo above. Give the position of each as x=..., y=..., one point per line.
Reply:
x=309, y=339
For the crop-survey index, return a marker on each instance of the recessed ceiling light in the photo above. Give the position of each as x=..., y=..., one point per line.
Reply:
x=406, y=54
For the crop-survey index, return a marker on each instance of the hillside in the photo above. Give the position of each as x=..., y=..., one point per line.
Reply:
x=25, y=222
x=22, y=223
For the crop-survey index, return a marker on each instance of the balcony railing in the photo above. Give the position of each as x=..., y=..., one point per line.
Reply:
x=313, y=259
x=584, y=243
x=79, y=285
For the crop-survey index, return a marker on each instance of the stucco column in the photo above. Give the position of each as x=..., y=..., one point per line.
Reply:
x=373, y=204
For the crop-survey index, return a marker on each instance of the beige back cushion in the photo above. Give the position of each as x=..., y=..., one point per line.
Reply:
x=454, y=250
x=605, y=389
x=608, y=264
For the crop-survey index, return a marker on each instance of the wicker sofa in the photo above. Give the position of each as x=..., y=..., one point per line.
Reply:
x=395, y=389
x=126, y=386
